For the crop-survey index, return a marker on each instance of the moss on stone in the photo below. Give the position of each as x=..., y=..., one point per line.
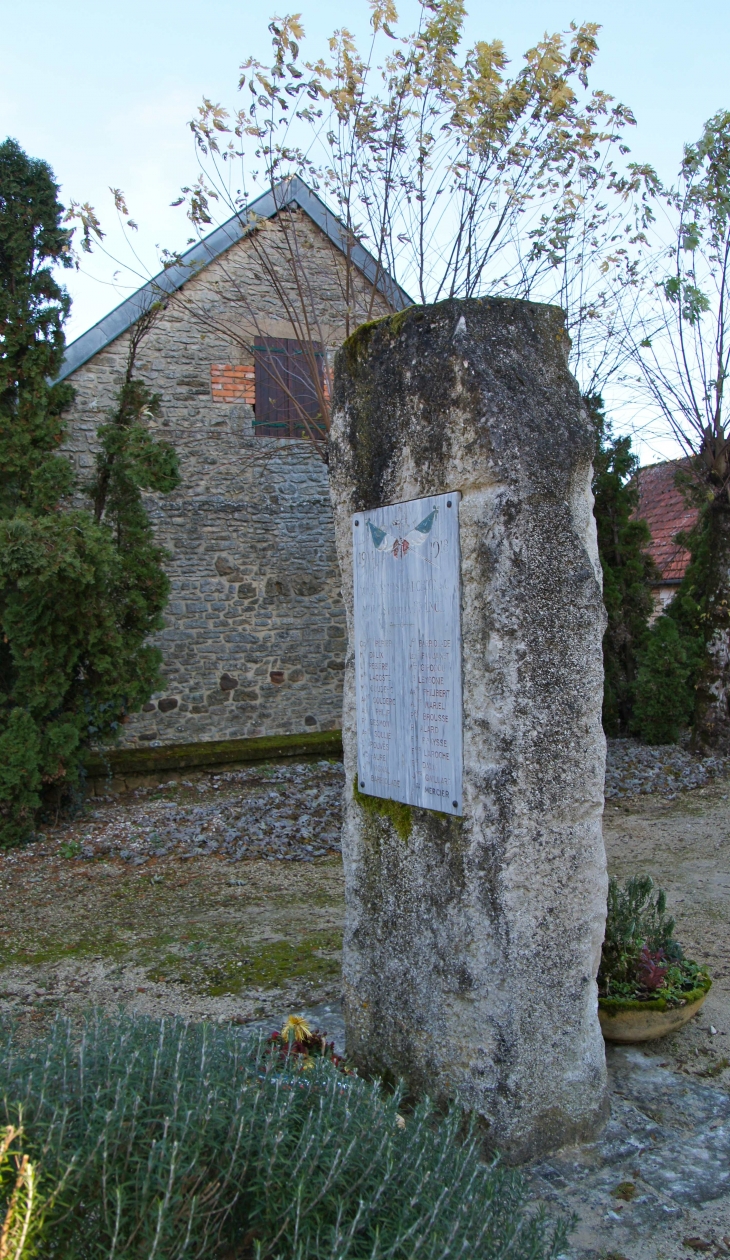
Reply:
x=357, y=342
x=353, y=346
x=615, y=1006
x=214, y=753
x=401, y=816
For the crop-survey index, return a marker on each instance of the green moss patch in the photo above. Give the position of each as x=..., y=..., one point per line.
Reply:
x=401, y=816
x=317, y=958
x=215, y=753
x=226, y=967
x=614, y=1006
x=95, y=945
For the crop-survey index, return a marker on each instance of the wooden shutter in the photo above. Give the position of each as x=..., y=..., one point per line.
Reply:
x=272, y=376
x=284, y=387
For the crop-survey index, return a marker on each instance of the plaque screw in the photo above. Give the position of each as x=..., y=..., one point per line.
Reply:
x=448, y=504
x=362, y=785
x=455, y=804
x=357, y=522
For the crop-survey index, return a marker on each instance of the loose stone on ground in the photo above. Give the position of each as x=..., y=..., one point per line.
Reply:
x=215, y=897
x=288, y=811
x=635, y=769
x=292, y=810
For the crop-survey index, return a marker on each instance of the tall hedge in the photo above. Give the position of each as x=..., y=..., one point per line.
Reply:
x=81, y=588
x=628, y=570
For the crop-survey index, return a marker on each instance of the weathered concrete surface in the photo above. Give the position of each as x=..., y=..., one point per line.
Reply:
x=471, y=946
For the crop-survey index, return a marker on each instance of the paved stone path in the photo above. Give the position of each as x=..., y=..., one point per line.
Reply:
x=656, y=1184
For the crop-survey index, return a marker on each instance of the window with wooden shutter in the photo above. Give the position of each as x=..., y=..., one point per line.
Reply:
x=285, y=391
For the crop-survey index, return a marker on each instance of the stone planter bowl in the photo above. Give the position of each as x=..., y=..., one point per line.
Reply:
x=625, y=1020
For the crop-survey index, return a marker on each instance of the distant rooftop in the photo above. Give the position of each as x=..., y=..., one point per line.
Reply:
x=663, y=508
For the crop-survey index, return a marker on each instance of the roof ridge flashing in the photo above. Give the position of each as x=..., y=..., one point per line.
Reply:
x=295, y=192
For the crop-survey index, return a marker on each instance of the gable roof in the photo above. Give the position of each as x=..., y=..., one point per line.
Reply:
x=291, y=192
x=664, y=509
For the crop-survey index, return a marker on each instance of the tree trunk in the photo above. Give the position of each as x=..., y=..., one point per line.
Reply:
x=712, y=710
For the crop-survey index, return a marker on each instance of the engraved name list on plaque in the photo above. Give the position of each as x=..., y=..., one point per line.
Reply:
x=408, y=652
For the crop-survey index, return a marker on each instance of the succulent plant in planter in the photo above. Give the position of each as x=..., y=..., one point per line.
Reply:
x=646, y=986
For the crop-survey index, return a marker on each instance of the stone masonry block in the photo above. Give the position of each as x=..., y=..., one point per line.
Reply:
x=471, y=945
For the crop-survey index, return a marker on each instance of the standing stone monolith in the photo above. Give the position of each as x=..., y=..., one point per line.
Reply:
x=472, y=941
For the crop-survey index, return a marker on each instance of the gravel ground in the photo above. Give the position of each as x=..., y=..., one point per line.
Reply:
x=291, y=810
x=288, y=811
x=634, y=769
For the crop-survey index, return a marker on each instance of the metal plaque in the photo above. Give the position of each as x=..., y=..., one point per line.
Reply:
x=408, y=652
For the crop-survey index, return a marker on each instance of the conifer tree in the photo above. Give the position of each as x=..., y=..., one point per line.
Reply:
x=628, y=570
x=681, y=349
x=671, y=692
x=80, y=589
x=664, y=686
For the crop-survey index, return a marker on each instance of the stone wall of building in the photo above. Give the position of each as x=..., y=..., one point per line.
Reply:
x=254, y=632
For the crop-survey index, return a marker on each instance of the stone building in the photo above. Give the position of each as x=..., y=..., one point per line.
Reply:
x=254, y=635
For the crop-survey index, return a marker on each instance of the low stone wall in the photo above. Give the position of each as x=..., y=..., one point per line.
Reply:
x=122, y=769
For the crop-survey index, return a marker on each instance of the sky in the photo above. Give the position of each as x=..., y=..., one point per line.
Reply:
x=103, y=92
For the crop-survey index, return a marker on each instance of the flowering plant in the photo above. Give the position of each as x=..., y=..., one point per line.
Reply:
x=300, y=1046
x=641, y=961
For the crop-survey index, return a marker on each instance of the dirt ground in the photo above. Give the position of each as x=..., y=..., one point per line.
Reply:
x=144, y=902
x=656, y=1185
x=192, y=928
x=684, y=844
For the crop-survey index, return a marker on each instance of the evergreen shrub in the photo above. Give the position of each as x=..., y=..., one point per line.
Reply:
x=664, y=689
x=669, y=692
x=628, y=569
x=155, y=1141
x=641, y=961
x=81, y=588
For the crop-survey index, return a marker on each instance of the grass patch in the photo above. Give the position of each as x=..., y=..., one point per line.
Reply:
x=70, y=849
x=267, y=966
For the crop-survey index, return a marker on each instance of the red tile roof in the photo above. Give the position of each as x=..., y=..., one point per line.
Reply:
x=663, y=508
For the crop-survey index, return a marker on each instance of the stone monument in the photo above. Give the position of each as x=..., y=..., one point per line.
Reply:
x=475, y=892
